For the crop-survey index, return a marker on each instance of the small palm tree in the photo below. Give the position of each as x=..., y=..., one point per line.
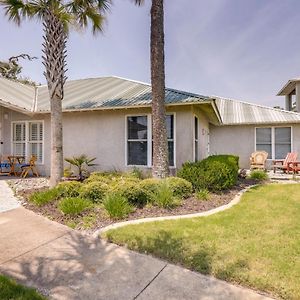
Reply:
x=160, y=167
x=57, y=18
x=81, y=162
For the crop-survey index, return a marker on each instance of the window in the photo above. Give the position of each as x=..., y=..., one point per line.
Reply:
x=195, y=138
x=139, y=140
x=274, y=140
x=28, y=139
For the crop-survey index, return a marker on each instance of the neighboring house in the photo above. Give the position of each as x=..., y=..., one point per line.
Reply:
x=110, y=118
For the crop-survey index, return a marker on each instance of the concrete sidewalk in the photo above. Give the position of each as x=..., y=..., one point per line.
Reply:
x=65, y=264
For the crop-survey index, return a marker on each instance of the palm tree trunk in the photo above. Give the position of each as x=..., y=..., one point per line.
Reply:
x=54, y=49
x=159, y=131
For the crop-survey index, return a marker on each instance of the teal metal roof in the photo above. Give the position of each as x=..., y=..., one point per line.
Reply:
x=111, y=92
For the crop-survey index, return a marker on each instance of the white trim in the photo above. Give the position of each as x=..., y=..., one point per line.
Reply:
x=27, y=140
x=194, y=137
x=273, y=138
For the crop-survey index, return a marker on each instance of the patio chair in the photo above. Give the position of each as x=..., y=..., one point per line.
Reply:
x=258, y=160
x=286, y=165
x=29, y=167
x=5, y=167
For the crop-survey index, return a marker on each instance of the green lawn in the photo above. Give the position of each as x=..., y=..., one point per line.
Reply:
x=10, y=290
x=256, y=243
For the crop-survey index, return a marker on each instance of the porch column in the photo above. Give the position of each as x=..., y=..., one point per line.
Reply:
x=288, y=102
x=298, y=96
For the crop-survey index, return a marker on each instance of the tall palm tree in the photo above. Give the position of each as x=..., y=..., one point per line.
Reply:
x=159, y=130
x=57, y=18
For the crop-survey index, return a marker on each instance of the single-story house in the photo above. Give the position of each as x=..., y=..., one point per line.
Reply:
x=110, y=118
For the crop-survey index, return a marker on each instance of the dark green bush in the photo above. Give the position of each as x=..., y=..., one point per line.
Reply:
x=73, y=205
x=94, y=191
x=43, y=197
x=180, y=187
x=69, y=188
x=117, y=206
x=215, y=173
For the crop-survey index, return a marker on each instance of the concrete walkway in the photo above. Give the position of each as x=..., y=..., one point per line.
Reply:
x=7, y=198
x=65, y=264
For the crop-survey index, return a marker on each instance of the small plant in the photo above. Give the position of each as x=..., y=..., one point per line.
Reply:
x=136, y=172
x=68, y=172
x=203, y=195
x=164, y=197
x=150, y=186
x=44, y=197
x=94, y=191
x=81, y=162
x=69, y=188
x=180, y=187
x=258, y=175
x=117, y=206
x=73, y=206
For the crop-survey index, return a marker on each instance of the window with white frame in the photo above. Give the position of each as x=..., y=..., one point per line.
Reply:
x=28, y=138
x=139, y=140
x=277, y=141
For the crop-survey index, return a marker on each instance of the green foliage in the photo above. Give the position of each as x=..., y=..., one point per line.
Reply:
x=202, y=195
x=10, y=290
x=163, y=196
x=69, y=188
x=81, y=162
x=73, y=205
x=117, y=206
x=215, y=173
x=180, y=187
x=258, y=175
x=136, y=172
x=94, y=191
x=43, y=197
x=150, y=186
x=130, y=189
x=68, y=172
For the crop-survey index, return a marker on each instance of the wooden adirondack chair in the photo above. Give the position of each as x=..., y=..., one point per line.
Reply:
x=286, y=165
x=258, y=160
x=30, y=167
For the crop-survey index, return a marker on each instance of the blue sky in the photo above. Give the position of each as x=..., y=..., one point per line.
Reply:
x=239, y=49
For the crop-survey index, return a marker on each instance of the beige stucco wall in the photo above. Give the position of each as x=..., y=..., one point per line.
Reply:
x=101, y=134
x=240, y=140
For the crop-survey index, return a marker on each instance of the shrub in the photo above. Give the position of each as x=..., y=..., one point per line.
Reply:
x=202, y=195
x=136, y=172
x=117, y=206
x=180, y=187
x=94, y=191
x=69, y=188
x=73, y=205
x=150, y=186
x=215, y=173
x=44, y=197
x=131, y=190
x=98, y=177
x=258, y=175
x=164, y=197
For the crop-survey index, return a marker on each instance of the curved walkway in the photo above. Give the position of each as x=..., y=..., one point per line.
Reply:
x=233, y=202
x=66, y=264
x=7, y=199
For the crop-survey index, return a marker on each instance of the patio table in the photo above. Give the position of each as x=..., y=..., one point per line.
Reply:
x=14, y=161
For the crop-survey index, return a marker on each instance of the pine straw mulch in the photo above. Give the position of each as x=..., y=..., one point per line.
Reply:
x=96, y=217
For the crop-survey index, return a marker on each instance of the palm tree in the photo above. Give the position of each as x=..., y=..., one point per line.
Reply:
x=159, y=130
x=57, y=18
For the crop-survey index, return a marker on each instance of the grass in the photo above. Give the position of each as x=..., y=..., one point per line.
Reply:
x=44, y=197
x=10, y=290
x=256, y=243
x=73, y=206
x=259, y=175
x=117, y=206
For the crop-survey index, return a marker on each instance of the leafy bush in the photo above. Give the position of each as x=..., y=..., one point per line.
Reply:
x=73, y=205
x=258, y=175
x=98, y=177
x=163, y=196
x=180, y=187
x=136, y=172
x=215, y=173
x=69, y=188
x=43, y=197
x=150, y=186
x=94, y=191
x=117, y=206
x=131, y=190
x=202, y=195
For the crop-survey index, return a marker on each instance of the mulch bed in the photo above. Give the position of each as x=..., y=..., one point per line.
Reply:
x=96, y=218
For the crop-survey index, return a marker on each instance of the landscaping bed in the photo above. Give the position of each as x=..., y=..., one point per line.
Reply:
x=96, y=217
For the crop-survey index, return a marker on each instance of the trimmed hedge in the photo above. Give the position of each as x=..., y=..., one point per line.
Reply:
x=215, y=173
